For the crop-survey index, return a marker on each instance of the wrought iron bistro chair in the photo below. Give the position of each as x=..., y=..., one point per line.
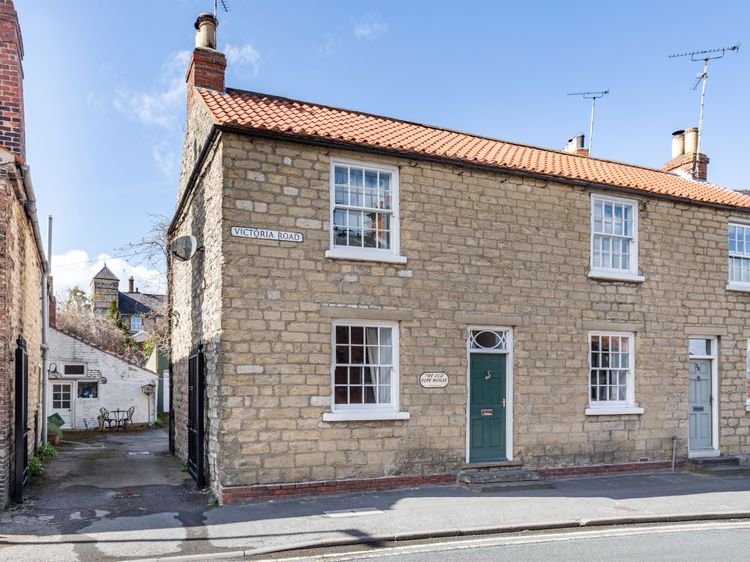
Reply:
x=127, y=418
x=104, y=417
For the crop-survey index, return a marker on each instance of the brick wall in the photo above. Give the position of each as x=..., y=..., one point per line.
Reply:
x=476, y=242
x=20, y=315
x=12, y=133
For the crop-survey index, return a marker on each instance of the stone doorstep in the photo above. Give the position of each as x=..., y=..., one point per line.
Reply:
x=509, y=486
x=718, y=466
x=714, y=461
x=493, y=476
x=494, y=465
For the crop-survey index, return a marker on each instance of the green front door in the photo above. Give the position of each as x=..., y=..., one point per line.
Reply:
x=487, y=407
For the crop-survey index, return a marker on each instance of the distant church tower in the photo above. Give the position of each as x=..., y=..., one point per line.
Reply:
x=104, y=288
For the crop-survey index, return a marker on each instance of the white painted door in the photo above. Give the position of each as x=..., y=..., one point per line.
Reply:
x=62, y=402
x=700, y=413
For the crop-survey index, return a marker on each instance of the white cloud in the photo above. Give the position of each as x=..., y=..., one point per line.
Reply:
x=328, y=46
x=161, y=105
x=243, y=55
x=76, y=268
x=370, y=29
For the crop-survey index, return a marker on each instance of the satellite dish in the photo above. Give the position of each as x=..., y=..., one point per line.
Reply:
x=184, y=247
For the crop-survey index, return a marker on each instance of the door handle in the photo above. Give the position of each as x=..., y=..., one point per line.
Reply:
x=504, y=402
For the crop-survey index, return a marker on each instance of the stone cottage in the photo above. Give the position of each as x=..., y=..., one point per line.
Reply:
x=22, y=270
x=139, y=311
x=381, y=303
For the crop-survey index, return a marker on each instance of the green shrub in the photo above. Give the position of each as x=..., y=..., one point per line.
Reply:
x=36, y=466
x=158, y=423
x=46, y=450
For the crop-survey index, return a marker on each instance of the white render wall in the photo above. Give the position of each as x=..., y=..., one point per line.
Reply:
x=122, y=390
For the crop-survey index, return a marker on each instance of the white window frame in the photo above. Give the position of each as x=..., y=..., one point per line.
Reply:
x=82, y=375
x=70, y=396
x=613, y=407
x=392, y=254
x=731, y=284
x=79, y=383
x=140, y=323
x=354, y=412
x=598, y=272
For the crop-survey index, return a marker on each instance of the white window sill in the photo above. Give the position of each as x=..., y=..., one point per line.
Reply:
x=747, y=406
x=734, y=286
x=616, y=276
x=372, y=415
x=365, y=254
x=613, y=410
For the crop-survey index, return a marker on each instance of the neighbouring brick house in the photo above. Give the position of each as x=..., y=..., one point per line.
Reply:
x=22, y=260
x=380, y=302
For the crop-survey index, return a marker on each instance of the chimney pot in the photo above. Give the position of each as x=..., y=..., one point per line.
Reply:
x=207, y=66
x=205, y=31
x=130, y=284
x=691, y=140
x=678, y=143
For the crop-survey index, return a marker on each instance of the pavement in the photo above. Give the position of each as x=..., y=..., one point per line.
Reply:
x=120, y=496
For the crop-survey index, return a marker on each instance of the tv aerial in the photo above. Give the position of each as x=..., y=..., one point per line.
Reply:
x=593, y=96
x=705, y=56
x=224, y=6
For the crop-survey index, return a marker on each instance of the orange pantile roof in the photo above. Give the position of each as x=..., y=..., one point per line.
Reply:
x=261, y=112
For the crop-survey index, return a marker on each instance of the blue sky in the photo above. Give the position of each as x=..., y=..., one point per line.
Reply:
x=105, y=96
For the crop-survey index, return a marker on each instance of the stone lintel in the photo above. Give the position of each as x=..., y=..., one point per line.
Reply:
x=613, y=326
x=706, y=330
x=349, y=312
x=488, y=319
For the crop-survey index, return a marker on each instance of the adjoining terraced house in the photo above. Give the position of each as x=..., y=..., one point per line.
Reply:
x=378, y=303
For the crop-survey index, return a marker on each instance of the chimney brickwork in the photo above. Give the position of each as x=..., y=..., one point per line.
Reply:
x=12, y=135
x=684, y=160
x=207, y=65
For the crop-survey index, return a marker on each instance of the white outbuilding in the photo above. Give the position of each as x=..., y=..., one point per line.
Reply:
x=84, y=378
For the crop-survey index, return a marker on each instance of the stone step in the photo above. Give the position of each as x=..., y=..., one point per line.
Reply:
x=726, y=470
x=509, y=486
x=495, y=476
x=715, y=461
x=493, y=465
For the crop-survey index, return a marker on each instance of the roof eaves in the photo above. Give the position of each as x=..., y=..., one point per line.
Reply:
x=360, y=147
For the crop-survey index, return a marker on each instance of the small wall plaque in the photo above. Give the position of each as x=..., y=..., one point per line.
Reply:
x=433, y=380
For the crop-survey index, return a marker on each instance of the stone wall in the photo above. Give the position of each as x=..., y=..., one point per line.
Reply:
x=476, y=242
x=195, y=288
x=20, y=315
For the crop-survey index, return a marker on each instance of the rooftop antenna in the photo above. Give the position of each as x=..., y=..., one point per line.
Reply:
x=593, y=96
x=224, y=6
x=705, y=56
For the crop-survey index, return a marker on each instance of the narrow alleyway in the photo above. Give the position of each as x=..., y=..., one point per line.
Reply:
x=109, y=482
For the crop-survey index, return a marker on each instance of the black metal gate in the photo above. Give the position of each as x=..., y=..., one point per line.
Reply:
x=196, y=393
x=21, y=433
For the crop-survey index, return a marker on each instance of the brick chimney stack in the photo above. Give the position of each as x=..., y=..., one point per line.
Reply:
x=207, y=66
x=131, y=284
x=12, y=135
x=686, y=161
